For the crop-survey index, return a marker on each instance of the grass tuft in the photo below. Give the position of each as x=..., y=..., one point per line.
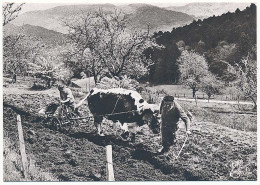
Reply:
x=12, y=166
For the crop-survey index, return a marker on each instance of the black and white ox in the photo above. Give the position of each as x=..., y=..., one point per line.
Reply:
x=125, y=106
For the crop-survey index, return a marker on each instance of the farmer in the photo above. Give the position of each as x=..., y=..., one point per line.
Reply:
x=170, y=112
x=66, y=96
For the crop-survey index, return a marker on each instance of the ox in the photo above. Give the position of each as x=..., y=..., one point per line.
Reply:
x=125, y=106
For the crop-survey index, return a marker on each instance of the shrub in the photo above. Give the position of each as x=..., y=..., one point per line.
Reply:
x=153, y=95
x=124, y=82
x=40, y=84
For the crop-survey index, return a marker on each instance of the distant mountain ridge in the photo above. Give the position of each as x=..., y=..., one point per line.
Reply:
x=139, y=16
x=45, y=35
x=158, y=18
x=205, y=10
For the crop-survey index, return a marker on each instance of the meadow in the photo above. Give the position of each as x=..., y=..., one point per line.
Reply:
x=236, y=115
x=226, y=94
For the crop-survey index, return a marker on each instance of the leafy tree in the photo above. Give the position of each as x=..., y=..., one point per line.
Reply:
x=210, y=85
x=48, y=65
x=18, y=50
x=181, y=45
x=193, y=68
x=200, y=47
x=48, y=71
x=219, y=59
x=165, y=70
x=117, y=50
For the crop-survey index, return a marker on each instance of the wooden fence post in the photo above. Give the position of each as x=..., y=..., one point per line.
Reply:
x=89, y=83
x=196, y=100
x=109, y=166
x=22, y=147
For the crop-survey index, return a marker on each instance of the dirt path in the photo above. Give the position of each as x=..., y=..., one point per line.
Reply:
x=13, y=89
x=216, y=101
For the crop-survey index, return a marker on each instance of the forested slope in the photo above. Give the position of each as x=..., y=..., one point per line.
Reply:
x=221, y=39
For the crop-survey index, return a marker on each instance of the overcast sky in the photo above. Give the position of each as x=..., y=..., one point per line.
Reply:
x=43, y=6
x=46, y=4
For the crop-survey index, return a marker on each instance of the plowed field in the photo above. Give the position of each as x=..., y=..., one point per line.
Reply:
x=212, y=152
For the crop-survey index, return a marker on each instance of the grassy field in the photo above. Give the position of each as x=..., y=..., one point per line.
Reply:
x=227, y=94
x=236, y=116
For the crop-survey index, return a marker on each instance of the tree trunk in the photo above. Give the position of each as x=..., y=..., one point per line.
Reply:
x=14, y=78
x=193, y=92
x=95, y=79
x=254, y=101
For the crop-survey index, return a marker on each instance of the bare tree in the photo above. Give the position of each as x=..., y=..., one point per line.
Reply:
x=114, y=47
x=246, y=73
x=13, y=51
x=10, y=12
x=83, y=61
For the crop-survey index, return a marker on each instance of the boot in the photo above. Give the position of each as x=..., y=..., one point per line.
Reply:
x=125, y=135
x=132, y=137
x=163, y=149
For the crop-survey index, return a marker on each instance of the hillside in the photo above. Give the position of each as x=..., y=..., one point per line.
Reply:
x=139, y=16
x=221, y=39
x=204, y=10
x=227, y=27
x=45, y=35
x=158, y=18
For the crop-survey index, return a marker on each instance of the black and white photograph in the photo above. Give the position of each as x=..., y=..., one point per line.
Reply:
x=129, y=91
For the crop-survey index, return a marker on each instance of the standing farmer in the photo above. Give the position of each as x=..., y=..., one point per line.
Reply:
x=170, y=112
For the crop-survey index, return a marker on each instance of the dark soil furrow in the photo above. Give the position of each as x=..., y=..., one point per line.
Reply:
x=137, y=151
x=213, y=152
x=91, y=137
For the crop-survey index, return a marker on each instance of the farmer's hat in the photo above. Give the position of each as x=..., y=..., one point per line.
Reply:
x=168, y=99
x=60, y=85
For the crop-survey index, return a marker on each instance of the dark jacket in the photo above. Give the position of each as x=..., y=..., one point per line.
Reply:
x=171, y=112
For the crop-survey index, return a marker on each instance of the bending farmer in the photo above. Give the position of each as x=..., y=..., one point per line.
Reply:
x=170, y=112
